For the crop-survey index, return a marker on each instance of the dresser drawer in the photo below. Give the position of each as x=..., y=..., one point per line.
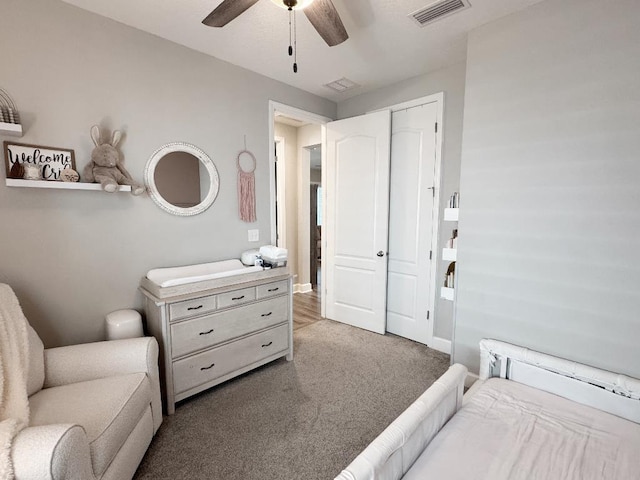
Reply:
x=207, y=366
x=271, y=289
x=237, y=297
x=191, y=308
x=203, y=332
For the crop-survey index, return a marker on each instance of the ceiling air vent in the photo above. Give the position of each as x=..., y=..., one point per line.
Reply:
x=342, y=85
x=438, y=10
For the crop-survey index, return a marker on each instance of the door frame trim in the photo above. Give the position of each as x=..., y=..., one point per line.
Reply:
x=437, y=98
x=280, y=168
x=296, y=113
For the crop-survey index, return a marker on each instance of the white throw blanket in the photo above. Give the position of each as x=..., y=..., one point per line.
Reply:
x=14, y=364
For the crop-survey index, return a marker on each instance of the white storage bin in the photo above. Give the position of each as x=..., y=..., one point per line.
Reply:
x=124, y=324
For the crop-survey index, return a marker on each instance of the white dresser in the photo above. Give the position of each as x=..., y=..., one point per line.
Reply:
x=212, y=334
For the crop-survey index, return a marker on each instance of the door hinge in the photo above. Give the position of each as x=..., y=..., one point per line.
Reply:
x=436, y=127
x=430, y=254
x=428, y=312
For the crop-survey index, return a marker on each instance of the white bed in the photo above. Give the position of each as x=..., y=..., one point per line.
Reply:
x=541, y=418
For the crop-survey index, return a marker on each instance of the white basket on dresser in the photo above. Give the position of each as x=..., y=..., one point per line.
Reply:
x=214, y=330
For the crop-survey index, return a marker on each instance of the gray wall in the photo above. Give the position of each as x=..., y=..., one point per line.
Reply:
x=550, y=187
x=450, y=81
x=73, y=256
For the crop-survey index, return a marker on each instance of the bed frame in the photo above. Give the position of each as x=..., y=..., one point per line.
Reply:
x=395, y=450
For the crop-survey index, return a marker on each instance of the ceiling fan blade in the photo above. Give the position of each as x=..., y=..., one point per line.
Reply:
x=227, y=11
x=325, y=19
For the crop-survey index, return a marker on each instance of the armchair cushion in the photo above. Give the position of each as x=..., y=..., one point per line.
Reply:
x=107, y=408
x=35, y=377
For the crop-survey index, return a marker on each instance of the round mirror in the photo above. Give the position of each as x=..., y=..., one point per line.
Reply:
x=181, y=179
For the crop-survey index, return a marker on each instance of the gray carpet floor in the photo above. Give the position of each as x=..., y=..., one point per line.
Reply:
x=305, y=419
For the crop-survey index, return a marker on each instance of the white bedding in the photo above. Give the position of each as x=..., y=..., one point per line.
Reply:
x=172, y=276
x=509, y=431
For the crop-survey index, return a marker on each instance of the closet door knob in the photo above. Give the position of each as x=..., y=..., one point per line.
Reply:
x=380, y=253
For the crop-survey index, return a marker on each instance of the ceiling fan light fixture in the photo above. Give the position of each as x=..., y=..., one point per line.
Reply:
x=301, y=4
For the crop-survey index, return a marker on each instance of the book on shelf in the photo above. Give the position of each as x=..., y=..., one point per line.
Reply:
x=454, y=200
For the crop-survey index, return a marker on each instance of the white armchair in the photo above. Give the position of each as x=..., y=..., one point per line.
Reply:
x=94, y=409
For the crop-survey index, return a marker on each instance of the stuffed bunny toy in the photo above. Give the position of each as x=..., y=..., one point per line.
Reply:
x=105, y=166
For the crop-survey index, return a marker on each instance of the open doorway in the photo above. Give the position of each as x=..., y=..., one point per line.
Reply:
x=315, y=216
x=296, y=195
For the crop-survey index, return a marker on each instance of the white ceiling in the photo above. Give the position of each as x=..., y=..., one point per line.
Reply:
x=385, y=46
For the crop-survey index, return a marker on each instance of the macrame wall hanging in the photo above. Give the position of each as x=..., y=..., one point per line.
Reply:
x=247, y=187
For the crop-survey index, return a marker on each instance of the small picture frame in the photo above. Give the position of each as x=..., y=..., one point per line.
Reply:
x=52, y=160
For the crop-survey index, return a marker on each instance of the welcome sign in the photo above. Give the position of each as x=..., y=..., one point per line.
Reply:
x=51, y=160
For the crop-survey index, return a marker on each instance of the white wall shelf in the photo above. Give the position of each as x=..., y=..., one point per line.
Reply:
x=447, y=293
x=16, y=182
x=450, y=254
x=451, y=214
x=13, y=129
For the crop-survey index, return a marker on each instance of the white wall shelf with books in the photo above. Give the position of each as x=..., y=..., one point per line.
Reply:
x=16, y=182
x=450, y=250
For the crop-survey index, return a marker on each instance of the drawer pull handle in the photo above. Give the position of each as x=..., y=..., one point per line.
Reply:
x=195, y=308
x=237, y=298
x=206, y=333
x=266, y=314
x=207, y=368
x=273, y=289
x=267, y=345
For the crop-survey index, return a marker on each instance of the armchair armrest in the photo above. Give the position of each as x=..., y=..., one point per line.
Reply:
x=89, y=361
x=52, y=452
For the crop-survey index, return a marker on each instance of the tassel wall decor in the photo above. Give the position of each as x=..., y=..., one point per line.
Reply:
x=247, y=189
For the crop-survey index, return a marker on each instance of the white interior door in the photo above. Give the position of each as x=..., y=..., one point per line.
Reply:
x=411, y=224
x=357, y=220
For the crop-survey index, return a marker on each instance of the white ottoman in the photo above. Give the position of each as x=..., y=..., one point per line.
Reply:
x=124, y=324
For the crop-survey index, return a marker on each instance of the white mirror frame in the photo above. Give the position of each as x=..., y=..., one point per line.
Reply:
x=150, y=183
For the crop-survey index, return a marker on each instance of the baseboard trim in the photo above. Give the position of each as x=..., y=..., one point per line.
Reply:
x=441, y=344
x=302, y=288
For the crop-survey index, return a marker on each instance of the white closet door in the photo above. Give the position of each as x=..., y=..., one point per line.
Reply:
x=356, y=223
x=413, y=159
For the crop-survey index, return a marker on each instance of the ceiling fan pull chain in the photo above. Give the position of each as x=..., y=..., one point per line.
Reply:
x=290, y=47
x=295, y=44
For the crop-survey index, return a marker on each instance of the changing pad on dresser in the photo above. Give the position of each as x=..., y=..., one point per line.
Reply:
x=171, y=281
x=172, y=276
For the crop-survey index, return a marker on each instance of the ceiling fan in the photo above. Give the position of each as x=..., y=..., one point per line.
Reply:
x=321, y=13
